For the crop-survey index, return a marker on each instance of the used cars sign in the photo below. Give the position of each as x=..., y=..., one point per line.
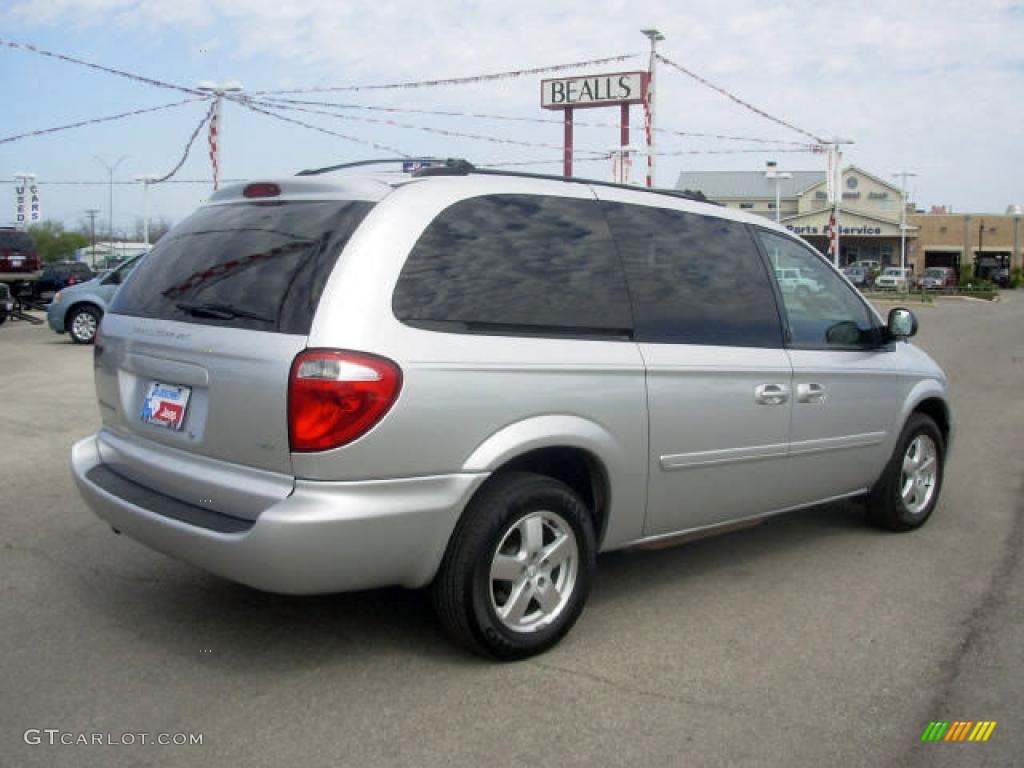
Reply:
x=594, y=90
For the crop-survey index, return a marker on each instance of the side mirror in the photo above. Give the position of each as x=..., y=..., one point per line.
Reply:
x=902, y=324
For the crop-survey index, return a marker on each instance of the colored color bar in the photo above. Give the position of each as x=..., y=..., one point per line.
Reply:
x=952, y=730
x=988, y=731
x=939, y=731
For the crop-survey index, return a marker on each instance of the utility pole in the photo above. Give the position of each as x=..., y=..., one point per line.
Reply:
x=110, y=199
x=903, y=176
x=92, y=228
x=655, y=37
x=218, y=90
x=146, y=180
x=835, y=183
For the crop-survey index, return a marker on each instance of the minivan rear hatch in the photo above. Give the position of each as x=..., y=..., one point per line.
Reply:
x=194, y=356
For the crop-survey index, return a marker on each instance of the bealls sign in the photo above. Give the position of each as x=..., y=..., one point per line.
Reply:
x=594, y=91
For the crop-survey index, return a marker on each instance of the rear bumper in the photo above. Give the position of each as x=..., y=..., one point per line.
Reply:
x=20, y=277
x=324, y=537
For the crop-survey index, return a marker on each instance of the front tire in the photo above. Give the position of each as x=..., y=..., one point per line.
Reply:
x=83, y=323
x=518, y=568
x=908, y=490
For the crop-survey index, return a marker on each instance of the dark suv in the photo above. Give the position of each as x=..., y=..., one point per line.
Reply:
x=19, y=262
x=58, y=276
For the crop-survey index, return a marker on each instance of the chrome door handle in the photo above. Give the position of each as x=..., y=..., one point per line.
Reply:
x=771, y=394
x=810, y=393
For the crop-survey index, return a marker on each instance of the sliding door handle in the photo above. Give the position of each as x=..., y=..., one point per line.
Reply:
x=771, y=394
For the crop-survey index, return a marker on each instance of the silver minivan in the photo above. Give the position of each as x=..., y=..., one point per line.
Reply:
x=476, y=381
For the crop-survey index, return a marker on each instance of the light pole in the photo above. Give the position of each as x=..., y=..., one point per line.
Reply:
x=91, y=212
x=110, y=197
x=655, y=37
x=218, y=90
x=903, y=176
x=23, y=206
x=146, y=180
x=774, y=173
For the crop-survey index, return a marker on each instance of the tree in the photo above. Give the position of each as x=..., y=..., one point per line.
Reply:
x=53, y=243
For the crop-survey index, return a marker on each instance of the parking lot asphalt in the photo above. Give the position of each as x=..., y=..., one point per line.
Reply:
x=810, y=640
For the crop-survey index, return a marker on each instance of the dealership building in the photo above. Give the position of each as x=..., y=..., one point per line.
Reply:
x=869, y=218
x=869, y=215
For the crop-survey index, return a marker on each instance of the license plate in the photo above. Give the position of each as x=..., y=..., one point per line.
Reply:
x=165, y=405
x=17, y=262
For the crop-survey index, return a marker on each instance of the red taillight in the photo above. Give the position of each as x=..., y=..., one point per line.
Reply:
x=261, y=189
x=72, y=280
x=335, y=397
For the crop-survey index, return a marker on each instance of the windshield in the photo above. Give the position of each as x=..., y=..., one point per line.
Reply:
x=934, y=273
x=251, y=265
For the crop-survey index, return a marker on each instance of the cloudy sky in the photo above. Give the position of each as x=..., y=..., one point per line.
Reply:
x=931, y=87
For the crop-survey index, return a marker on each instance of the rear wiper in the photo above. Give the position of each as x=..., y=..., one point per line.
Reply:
x=220, y=311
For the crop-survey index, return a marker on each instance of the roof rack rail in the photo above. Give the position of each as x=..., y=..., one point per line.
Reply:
x=381, y=161
x=457, y=167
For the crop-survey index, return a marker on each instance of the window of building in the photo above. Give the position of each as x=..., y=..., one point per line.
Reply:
x=746, y=206
x=822, y=310
x=694, y=279
x=523, y=264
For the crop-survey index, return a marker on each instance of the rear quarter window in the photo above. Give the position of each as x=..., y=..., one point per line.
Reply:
x=516, y=264
x=260, y=266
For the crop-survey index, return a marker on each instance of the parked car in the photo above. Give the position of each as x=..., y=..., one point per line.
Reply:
x=19, y=262
x=6, y=303
x=78, y=309
x=856, y=275
x=895, y=279
x=1001, y=277
x=794, y=282
x=476, y=381
x=60, y=275
x=937, y=278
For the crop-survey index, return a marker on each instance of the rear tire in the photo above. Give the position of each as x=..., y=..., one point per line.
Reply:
x=83, y=323
x=908, y=490
x=518, y=567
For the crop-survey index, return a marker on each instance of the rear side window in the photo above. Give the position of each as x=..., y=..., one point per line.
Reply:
x=516, y=264
x=260, y=266
x=12, y=240
x=694, y=279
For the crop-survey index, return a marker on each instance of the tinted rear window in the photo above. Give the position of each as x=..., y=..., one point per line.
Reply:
x=260, y=266
x=694, y=279
x=527, y=264
x=16, y=241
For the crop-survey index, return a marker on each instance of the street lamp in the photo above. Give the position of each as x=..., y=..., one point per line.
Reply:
x=774, y=173
x=218, y=90
x=110, y=197
x=903, y=176
x=146, y=180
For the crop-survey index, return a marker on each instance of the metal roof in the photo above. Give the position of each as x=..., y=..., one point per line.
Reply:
x=727, y=185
